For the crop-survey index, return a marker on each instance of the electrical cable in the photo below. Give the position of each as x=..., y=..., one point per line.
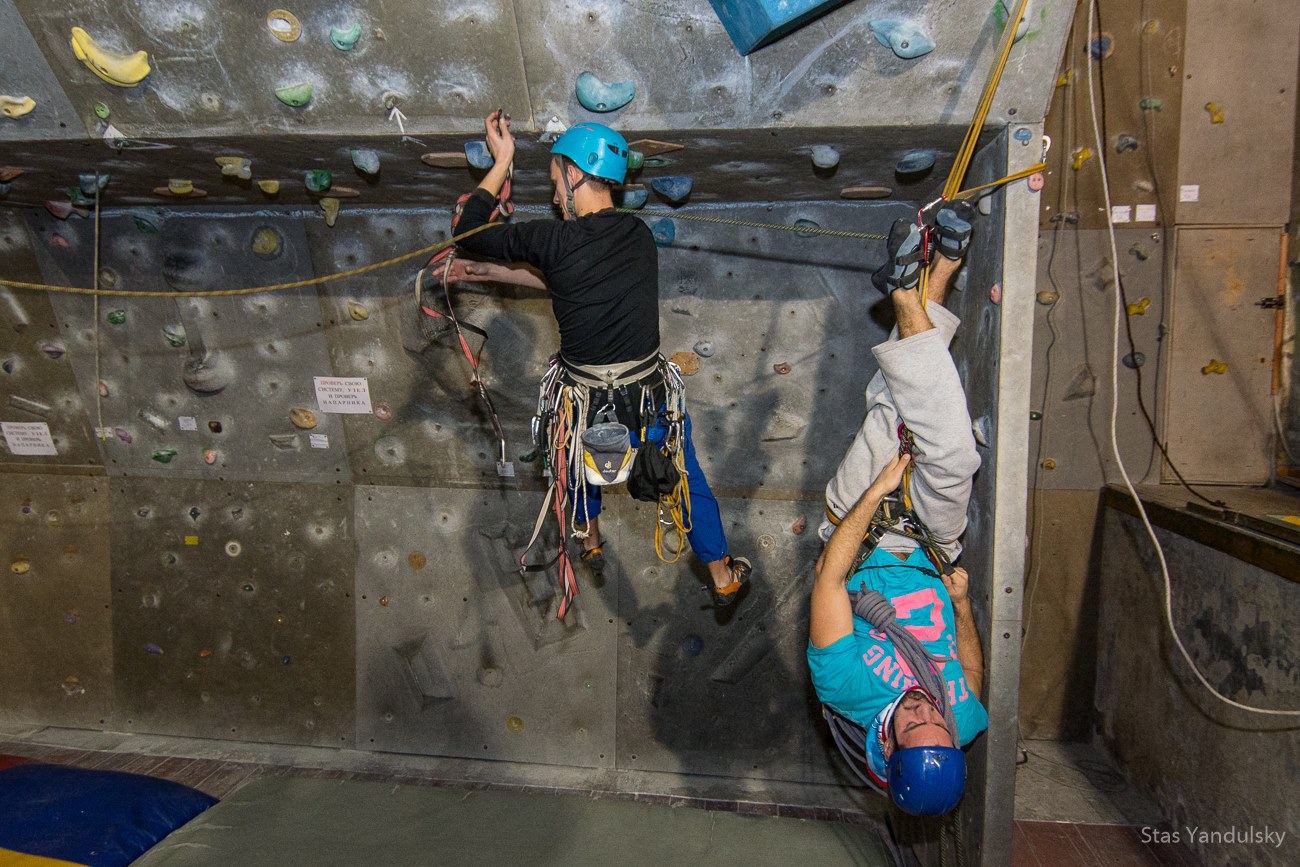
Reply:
x=1114, y=402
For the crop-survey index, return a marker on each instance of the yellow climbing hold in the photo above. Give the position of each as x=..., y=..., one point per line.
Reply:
x=1081, y=156
x=1216, y=113
x=236, y=167
x=302, y=418
x=269, y=187
x=330, y=206
x=1065, y=79
x=1139, y=308
x=21, y=566
x=16, y=106
x=121, y=70
x=1215, y=366
x=266, y=241
x=358, y=311
x=180, y=186
x=283, y=25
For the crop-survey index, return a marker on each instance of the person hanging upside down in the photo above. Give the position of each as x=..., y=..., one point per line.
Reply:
x=601, y=270
x=893, y=648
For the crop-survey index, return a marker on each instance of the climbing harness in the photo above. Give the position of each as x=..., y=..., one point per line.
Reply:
x=501, y=210
x=648, y=392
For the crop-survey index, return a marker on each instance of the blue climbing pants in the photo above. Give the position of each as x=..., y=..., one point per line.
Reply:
x=706, y=536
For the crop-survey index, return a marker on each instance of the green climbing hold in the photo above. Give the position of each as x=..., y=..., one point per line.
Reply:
x=116, y=317
x=164, y=456
x=366, y=160
x=175, y=335
x=92, y=182
x=344, y=38
x=102, y=111
x=1152, y=103
x=635, y=160
x=144, y=227
x=294, y=95
x=318, y=180
x=80, y=199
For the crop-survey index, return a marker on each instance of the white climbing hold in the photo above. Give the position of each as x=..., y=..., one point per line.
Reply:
x=825, y=157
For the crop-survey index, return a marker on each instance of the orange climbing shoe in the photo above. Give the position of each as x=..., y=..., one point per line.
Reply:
x=594, y=558
x=741, y=569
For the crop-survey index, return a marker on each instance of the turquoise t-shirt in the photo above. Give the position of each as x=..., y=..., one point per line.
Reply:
x=860, y=674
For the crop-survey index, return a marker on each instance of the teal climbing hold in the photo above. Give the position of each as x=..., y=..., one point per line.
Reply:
x=478, y=154
x=665, y=232
x=904, y=38
x=80, y=199
x=751, y=24
x=366, y=160
x=674, y=188
x=1152, y=103
x=344, y=38
x=634, y=199
x=597, y=95
x=92, y=182
x=915, y=162
x=635, y=161
x=318, y=180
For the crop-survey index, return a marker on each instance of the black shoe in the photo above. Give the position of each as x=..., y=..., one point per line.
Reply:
x=595, y=559
x=902, y=268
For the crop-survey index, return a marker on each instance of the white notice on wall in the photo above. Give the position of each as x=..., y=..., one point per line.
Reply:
x=28, y=438
x=349, y=394
x=319, y=441
x=1121, y=213
x=1146, y=214
x=187, y=422
x=1189, y=193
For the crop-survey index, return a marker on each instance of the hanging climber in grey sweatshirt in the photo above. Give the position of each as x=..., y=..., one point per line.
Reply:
x=893, y=649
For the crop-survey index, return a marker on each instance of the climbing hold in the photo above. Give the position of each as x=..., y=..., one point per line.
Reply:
x=904, y=38
x=174, y=335
x=704, y=349
x=866, y=192
x=180, y=186
x=302, y=418
x=491, y=677
x=1134, y=360
x=1152, y=103
x=214, y=426
x=1144, y=186
x=103, y=392
x=51, y=349
x=634, y=197
x=233, y=548
x=1216, y=367
x=664, y=232
x=150, y=647
x=209, y=456
x=514, y=724
x=63, y=210
x=16, y=106
x=445, y=160
x=207, y=374
x=124, y=435
x=286, y=659
x=597, y=95
x=1048, y=296
x=90, y=183
x=269, y=187
x=383, y=600
x=981, y=429
x=382, y=411
x=1216, y=113
x=692, y=645
x=116, y=317
x=79, y=198
x=1125, y=143
x=1001, y=14
x=21, y=566
x=1036, y=181
x=915, y=162
x=1139, y=251
x=294, y=95
x=235, y=167
x=782, y=368
x=799, y=526
x=995, y=293
x=343, y=192
x=478, y=155
x=825, y=157
x=164, y=456
x=143, y=226
x=7, y=365
x=8, y=173
x=102, y=111
x=330, y=205
x=366, y=160
x=121, y=70
x=284, y=442
x=688, y=362
x=1065, y=79
x=1082, y=384
x=1049, y=464
x=283, y=25
x=358, y=311
x=416, y=560
x=267, y=242
x=345, y=38
x=318, y=180
x=1081, y=156
x=674, y=188
x=1138, y=308
x=1101, y=46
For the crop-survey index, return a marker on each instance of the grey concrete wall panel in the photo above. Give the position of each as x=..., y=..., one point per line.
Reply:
x=720, y=694
x=37, y=382
x=243, y=361
x=55, y=607
x=233, y=610
x=27, y=74
x=457, y=654
x=1219, y=277
x=434, y=428
x=215, y=69
x=1257, y=104
x=1069, y=447
x=1240, y=625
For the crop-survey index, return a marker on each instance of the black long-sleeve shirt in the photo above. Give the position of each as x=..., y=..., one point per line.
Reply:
x=602, y=270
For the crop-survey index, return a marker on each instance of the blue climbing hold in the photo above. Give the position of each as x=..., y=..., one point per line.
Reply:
x=1023, y=134
x=674, y=188
x=366, y=160
x=752, y=24
x=915, y=162
x=634, y=198
x=478, y=154
x=1100, y=47
x=596, y=95
x=1134, y=360
x=904, y=38
x=665, y=232
x=92, y=182
x=692, y=645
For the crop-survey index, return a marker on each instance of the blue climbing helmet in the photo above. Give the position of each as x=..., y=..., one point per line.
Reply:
x=595, y=149
x=927, y=781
